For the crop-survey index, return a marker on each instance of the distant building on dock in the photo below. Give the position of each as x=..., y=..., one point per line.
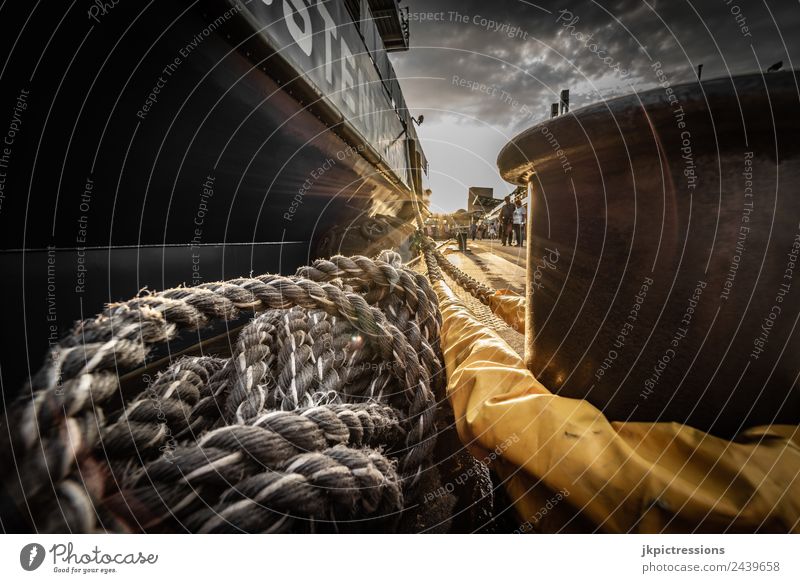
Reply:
x=481, y=200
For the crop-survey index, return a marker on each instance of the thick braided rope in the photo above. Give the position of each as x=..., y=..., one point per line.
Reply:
x=432, y=265
x=214, y=490
x=192, y=479
x=161, y=412
x=81, y=371
x=386, y=273
x=392, y=282
x=307, y=372
x=332, y=484
x=255, y=388
x=480, y=291
x=420, y=299
x=144, y=427
x=316, y=355
x=390, y=279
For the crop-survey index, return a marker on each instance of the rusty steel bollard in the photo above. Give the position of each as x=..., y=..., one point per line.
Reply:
x=677, y=227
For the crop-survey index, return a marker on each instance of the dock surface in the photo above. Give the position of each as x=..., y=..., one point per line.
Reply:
x=496, y=266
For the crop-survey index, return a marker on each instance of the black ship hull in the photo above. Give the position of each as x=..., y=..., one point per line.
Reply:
x=177, y=144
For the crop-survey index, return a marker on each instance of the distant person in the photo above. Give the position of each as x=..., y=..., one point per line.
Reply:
x=519, y=223
x=506, y=221
x=473, y=230
x=492, y=231
x=461, y=237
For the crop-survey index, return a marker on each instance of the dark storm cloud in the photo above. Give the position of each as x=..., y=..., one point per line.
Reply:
x=504, y=50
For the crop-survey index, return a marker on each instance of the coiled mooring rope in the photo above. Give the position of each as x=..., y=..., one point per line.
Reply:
x=322, y=417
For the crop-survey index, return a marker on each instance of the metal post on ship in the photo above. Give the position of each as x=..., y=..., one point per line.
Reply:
x=529, y=272
x=564, y=101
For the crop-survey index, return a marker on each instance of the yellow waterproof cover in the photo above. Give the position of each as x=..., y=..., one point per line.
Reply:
x=567, y=468
x=510, y=307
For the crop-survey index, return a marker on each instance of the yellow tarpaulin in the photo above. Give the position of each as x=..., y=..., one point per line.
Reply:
x=510, y=307
x=567, y=468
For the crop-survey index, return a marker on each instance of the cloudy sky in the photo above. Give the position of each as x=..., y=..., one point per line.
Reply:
x=483, y=70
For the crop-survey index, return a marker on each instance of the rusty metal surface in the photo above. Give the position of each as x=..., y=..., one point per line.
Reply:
x=676, y=218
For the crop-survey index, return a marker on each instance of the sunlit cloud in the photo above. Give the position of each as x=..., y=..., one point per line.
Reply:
x=529, y=51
